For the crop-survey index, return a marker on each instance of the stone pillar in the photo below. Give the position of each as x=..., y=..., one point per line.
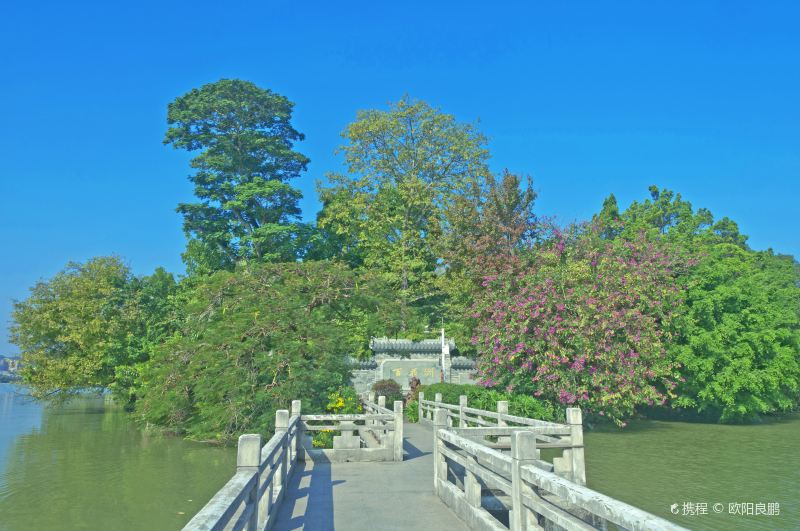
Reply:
x=420, y=411
x=502, y=408
x=370, y=400
x=438, y=397
x=446, y=363
x=462, y=403
x=281, y=427
x=296, y=444
x=523, y=452
x=576, y=455
x=472, y=487
x=248, y=457
x=382, y=403
x=439, y=462
x=398, y=430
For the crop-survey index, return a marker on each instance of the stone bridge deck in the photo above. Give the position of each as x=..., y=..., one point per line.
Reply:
x=369, y=496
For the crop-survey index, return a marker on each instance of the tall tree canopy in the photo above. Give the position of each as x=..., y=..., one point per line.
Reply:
x=247, y=209
x=405, y=166
x=667, y=213
x=492, y=228
x=251, y=341
x=91, y=326
x=740, y=335
x=738, y=332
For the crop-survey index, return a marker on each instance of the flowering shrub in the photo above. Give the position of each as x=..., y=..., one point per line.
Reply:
x=343, y=400
x=585, y=323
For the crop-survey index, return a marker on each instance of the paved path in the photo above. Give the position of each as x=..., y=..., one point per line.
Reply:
x=369, y=496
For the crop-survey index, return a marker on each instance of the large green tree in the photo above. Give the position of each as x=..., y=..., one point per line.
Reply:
x=666, y=213
x=738, y=335
x=246, y=208
x=252, y=340
x=389, y=211
x=90, y=327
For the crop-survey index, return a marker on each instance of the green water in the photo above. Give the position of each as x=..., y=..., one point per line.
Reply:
x=654, y=464
x=87, y=466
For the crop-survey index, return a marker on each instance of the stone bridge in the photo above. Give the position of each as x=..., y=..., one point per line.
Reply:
x=458, y=468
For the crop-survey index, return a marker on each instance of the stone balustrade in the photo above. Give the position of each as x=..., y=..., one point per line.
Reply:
x=375, y=435
x=487, y=467
x=249, y=500
x=489, y=470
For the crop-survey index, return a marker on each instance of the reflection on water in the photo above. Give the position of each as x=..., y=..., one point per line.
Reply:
x=654, y=464
x=87, y=466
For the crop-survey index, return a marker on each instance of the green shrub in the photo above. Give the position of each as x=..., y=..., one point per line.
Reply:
x=412, y=411
x=483, y=398
x=323, y=439
x=390, y=389
x=450, y=392
x=528, y=406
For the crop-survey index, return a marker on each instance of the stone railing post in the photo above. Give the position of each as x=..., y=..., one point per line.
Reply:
x=576, y=455
x=439, y=462
x=502, y=409
x=472, y=487
x=248, y=457
x=523, y=452
x=420, y=411
x=281, y=426
x=370, y=408
x=438, y=397
x=398, y=430
x=384, y=431
x=297, y=444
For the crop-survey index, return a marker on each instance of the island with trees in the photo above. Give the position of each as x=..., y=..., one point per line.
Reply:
x=659, y=309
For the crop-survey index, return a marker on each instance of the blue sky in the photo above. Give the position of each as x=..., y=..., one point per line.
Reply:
x=589, y=98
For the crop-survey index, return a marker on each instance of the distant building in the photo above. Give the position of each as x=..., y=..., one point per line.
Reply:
x=8, y=369
x=400, y=360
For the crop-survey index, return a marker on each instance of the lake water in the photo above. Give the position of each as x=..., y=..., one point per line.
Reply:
x=86, y=465
x=655, y=464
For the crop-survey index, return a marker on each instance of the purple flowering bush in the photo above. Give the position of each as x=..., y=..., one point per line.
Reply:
x=585, y=322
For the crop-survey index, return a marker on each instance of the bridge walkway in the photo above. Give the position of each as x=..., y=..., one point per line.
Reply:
x=369, y=496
